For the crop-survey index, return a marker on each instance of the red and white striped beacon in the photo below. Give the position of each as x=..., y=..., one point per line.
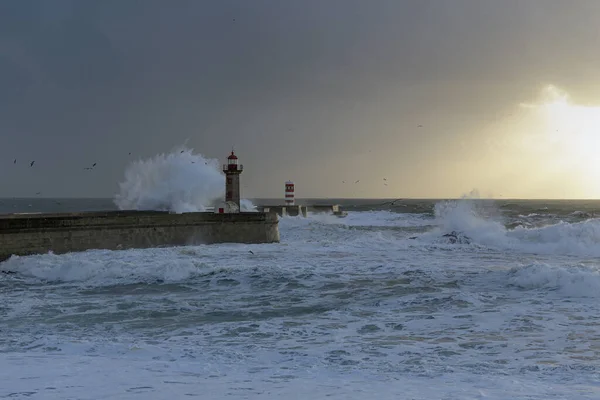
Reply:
x=289, y=193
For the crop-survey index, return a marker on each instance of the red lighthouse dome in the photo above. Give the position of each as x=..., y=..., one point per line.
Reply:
x=232, y=163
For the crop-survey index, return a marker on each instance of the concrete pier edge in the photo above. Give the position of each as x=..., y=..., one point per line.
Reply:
x=26, y=234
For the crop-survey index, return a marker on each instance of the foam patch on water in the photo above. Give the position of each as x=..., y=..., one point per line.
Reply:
x=482, y=225
x=365, y=219
x=105, y=267
x=581, y=238
x=575, y=281
x=379, y=219
x=352, y=232
x=319, y=318
x=134, y=375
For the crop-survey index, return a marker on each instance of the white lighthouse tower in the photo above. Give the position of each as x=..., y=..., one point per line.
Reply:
x=289, y=193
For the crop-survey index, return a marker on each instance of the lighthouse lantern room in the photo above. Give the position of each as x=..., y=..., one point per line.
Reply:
x=232, y=172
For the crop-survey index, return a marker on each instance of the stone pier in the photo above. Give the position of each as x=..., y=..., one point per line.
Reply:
x=25, y=234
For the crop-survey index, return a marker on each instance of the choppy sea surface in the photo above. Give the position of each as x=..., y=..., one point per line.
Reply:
x=414, y=299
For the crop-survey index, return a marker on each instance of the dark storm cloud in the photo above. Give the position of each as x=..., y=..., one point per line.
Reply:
x=297, y=87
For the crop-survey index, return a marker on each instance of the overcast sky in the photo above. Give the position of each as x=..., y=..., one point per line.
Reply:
x=316, y=91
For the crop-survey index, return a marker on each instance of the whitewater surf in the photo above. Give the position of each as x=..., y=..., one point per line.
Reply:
x=347, y=308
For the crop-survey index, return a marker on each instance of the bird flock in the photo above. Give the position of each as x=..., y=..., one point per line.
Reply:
x=385, y=183
x=358, y=180
x=86, y=168
x=32, y=163
x=93, y=166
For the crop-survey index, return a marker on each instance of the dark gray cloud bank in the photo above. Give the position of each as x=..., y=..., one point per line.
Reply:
x=313, y=91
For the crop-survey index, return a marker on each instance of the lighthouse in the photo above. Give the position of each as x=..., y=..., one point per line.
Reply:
x=232, y=179
x=289, y=193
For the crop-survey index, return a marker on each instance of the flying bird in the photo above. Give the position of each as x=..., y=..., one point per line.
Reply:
x=31, y=165
x=250, y=251
x=14, y=162
x=93, y=165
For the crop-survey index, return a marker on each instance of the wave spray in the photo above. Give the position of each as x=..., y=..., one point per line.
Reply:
x=180, y=181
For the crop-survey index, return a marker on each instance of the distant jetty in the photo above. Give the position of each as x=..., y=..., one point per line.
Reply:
x=290, y=208
x=302, y=210
x=39, y=233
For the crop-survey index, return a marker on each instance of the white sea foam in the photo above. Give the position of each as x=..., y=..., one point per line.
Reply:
x=483, y=225
x=146, y=372
x=341, y=308
x=582, y=238
x=572, y=281
x=373, y=219
x=106, y=267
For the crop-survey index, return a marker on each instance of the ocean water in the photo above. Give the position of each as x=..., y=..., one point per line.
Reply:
x=377, y=305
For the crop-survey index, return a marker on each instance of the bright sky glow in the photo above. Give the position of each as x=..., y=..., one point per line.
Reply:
x=570, y=135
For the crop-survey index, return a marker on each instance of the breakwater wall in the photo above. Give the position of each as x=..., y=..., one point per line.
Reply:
x=25, y=234
x=302, y=210
x=286, y=210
